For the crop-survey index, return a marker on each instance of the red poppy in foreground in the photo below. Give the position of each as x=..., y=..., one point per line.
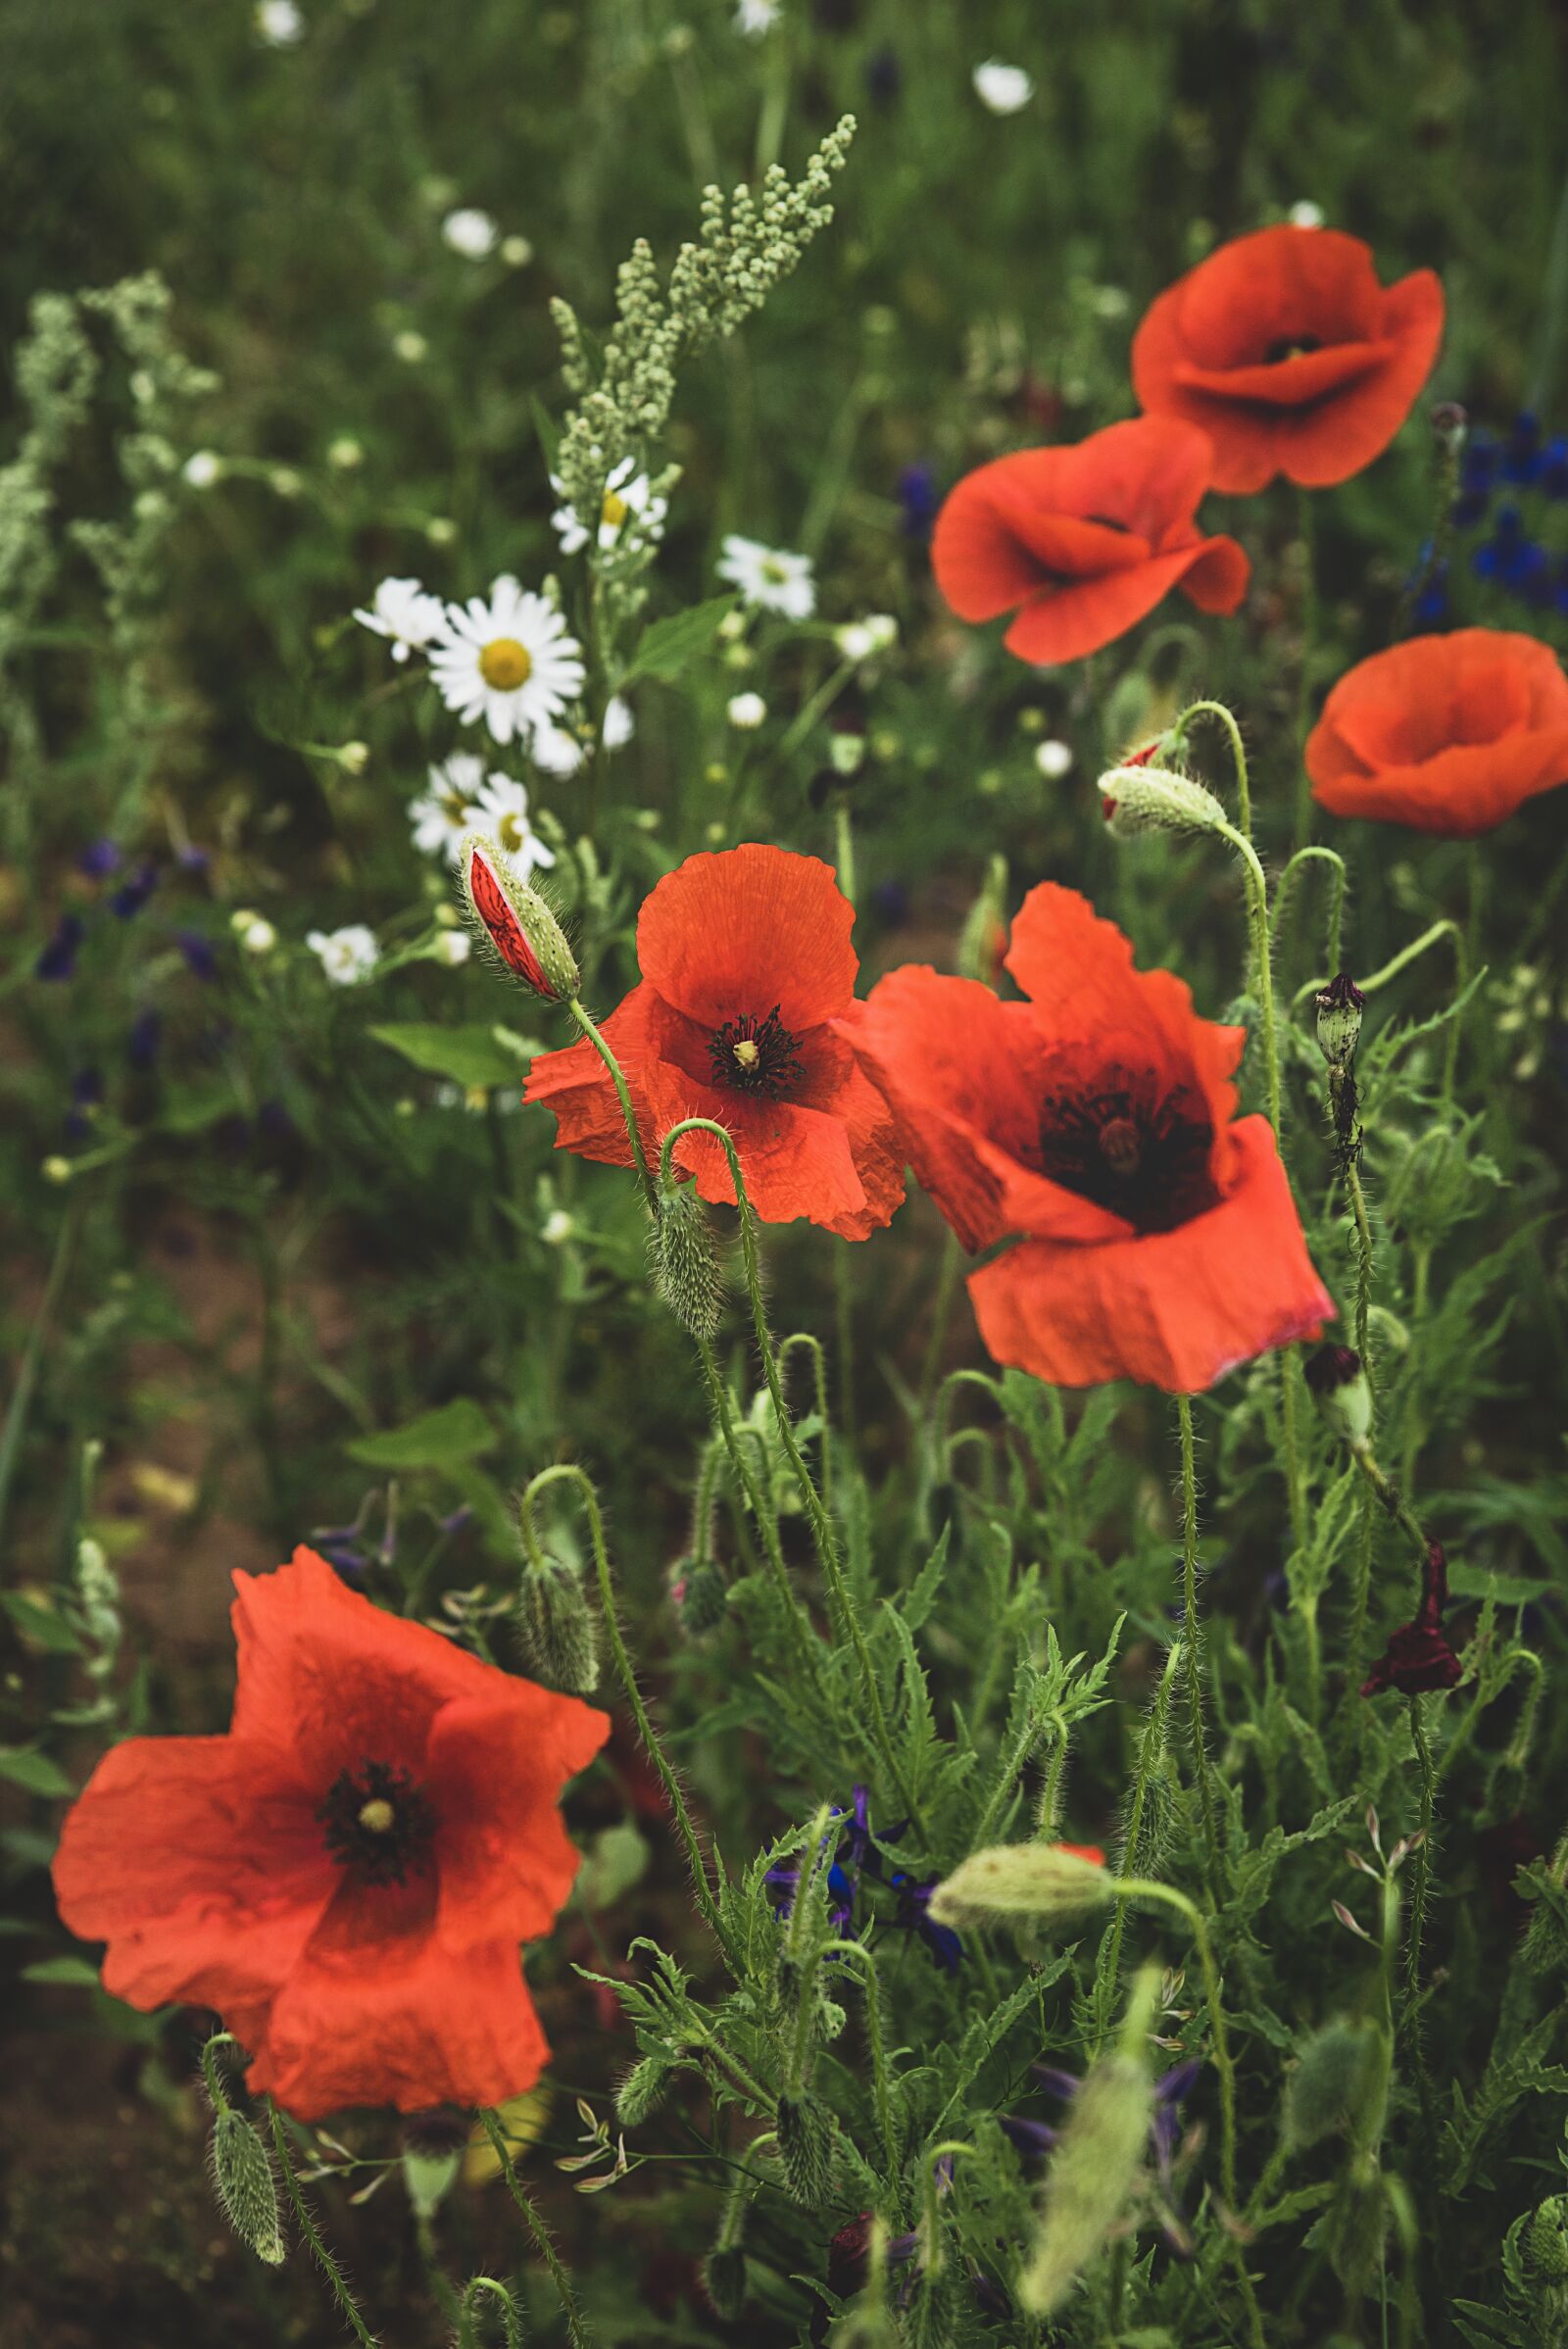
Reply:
x=345, y=1876
x=746, y=1001
x=1094, y=1122
x=1288, y=353
x=1083, y=542
x=1448, y=734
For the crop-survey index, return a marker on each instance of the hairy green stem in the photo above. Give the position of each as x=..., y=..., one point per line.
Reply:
x=1191, y=1641
x=308, y=2228
x=578, y=2330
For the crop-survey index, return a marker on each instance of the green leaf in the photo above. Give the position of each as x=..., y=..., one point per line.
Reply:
x=544, y=424
x=668, y=646
x=479, y=1056
x=40, y=1624
x=74, y=1971
x=456, y=1432
x=25, y=1766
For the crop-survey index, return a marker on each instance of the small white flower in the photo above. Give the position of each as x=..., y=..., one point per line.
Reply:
x=444, y=813
x=280, y=23
x=555, y=750
x=517, y=252
x=558, y=1228
x=470, y=232
x=452, y=947
x=345, y=453
x=846, y=754
x=254, y=931
x=1306, y=214
x=502, y=810
x=405, y=614
x=1004, y=88
x=619, y=723
x=284, y=481
x=1054, y=759
x=347, y=956
x=883, y=631
x=1111, y=301
x=769, y=577
x=747, y=710
x=203, y=469
x=855, y=641
x=627, y=499
x=754, y=18
x=410, y=344
x=507, y=660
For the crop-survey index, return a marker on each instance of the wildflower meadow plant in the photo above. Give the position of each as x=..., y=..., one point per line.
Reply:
x=787, y=970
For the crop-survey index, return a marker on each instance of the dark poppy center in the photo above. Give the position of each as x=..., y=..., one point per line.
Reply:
x=1131, y=1146
x=1289, y=346
x=755, y=1056
x=376, y=1823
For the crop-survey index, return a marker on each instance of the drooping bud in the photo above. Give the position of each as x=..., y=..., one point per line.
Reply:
x=642, y=2090
x=1335, y=2075
x=724, y=2280
x=1339, y=1386
x=1098, y=2158
x=1153, y=799
x=687, y=1273
x=983, y=940
x=1023, y=1883
x=555, y=1628
x=699, y=1597
x=1339, y=1019
x=805, y=2147
x=516, y=921
x=242, y=2175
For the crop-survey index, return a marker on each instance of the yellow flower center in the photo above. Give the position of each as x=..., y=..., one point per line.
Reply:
x=772, y=568
x=504, y=665
x=747, y=1053
x=377, y=1816
x=511, y=830
x=615, y=511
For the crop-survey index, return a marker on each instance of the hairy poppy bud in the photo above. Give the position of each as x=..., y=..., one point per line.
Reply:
x=1339, y=1019
x=699, y=1597
x=686, y=1269
x=242, y=2175
x=557, y=1628
x=1023, y=1883
x=805, y=2147
x=517, y=922
x=1338, y=1385
x=642, y=2090
x=1336, y=2072
x=1098, y=2158
x=724, y=2280
x=1152, y=799
x=1544, y=2246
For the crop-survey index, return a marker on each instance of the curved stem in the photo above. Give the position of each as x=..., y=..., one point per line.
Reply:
x=622, y=1094
x=1282, y=897
x=1223, y=717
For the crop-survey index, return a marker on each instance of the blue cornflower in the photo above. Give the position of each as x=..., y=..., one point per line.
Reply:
x=917, y=496
x=884, y=75
x=132, y=894
x=1554, y=476
x=98, y=859
x=86, y=1092
x=855, y=1847
x=198, y=952
x=1035, y=2139
x=146, y=1035
x=58, y=959
x=1521, y=457
x=914, y=1916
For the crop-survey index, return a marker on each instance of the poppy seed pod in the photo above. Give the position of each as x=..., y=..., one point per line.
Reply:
x=1024, y=1884
x=1339, y=1019
x=517, y=922
x=1338, y=1384
x=1153, y=799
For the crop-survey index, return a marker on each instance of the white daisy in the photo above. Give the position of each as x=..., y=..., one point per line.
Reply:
x=203, y=469
x=508, y=660
x=470, y=232
x=745, y=711
x=502, y=813
x=556, y=751
x=626, y=495
x=1053, y=758
x=442, y=815
x=402, y=611
x=280, y=23
x=754, y=18
x=347, y=956
x=1004, y=88
x=770, y=578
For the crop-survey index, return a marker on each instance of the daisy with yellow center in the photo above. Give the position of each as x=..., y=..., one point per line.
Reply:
x=502, y=813
x=507, y=660
x=770, y=578
x=628, y=509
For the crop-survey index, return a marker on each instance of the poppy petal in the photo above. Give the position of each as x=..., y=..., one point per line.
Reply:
x=750, y=930
x=576, y=1085
x=1071, y=621
x=493, y=1776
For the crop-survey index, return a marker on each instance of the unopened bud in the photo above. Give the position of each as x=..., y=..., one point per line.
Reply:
x=724, y=2280
x=1545, y=2247
x=557, y=1628
x=685, y=1260
x=805, y=2147
x=1337, y=1380
x=699, y=1597
x=1339, y=1019
x=1024, y=1884
x=1098, y=2158
x=1327, y=2094
x=247, y=2190
x=517, y=922
x=1153, y=799
x=642, y=2090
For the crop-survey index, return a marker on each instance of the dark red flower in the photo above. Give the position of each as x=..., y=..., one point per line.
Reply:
x=1418, y=1657
x=746, y=1004
x=1094, y=1122
x=345, y=1876
x=1083, y=542
x=1448, y=734
x=1292, y=357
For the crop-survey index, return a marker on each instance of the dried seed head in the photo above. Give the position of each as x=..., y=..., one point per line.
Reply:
x=1339, y=1019
x=1338, y=1381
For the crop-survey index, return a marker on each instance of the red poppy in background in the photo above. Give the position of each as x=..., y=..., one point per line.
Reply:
x=746, y=1004
x=1448, y=734
x=1158, y=1240
x=345, y=1876
x=1418, y=1658
x=1083, y=542
x=1288, y=353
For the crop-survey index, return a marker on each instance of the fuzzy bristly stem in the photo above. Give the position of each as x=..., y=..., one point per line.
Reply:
x=309, y=2229
x=577, y=2331
x=623, y=1095
x=1191, y=1645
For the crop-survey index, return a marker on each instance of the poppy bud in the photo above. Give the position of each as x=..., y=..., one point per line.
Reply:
x=1152, y=799
x=642, y=2090
x=1339, y=1389
x=556, y=1630
x=724, y=2280
x=242, y=2175
x=1024, y=1884
x=805, y=2147
x=687, y=1273
x=699, y=1597
x=1327, y=2094
x=517, y=922
x=1545, y=2247
x=1098, y=2158
x=1339, y=1019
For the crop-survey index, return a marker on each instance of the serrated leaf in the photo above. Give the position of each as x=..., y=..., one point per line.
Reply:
x=445, y=1438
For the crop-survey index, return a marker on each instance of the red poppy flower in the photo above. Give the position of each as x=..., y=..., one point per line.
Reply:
x=1292, y=357
x=1094, y=1122
x=1082, y=543
x=1448, y=734
x=746, y=1001
x=1418, y=1657
x=347, y=1874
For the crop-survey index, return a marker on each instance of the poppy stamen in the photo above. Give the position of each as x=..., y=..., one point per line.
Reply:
x=376, y=1823
x=1289, y=346
x=1133, y=1148
x=755, y=1056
